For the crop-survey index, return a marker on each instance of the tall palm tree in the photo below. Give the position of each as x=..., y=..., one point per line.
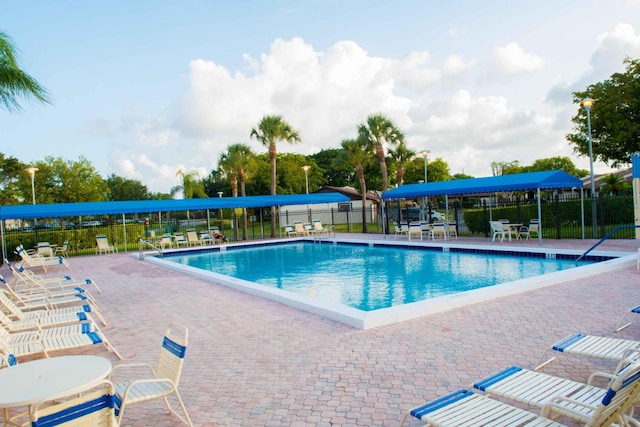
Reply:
x=401, y=155
x=234, y=164
x=270, y=131
x=14, y=82
x=354, y=152
x=377, y=131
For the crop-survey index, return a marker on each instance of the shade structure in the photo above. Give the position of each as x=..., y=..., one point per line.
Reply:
x=140, y=206
x=547, y=180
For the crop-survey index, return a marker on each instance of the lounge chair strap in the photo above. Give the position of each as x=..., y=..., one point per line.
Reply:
x=497, y=377
x=568, y=342
x=440, y=403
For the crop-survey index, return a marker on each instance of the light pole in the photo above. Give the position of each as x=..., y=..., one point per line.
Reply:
x=424, y=201
x=425, y=153
x=221, y=217
x=306, y=177
x=587, y=103
x=32, y=173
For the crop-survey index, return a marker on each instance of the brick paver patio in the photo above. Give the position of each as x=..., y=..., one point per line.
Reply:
x=253, y=362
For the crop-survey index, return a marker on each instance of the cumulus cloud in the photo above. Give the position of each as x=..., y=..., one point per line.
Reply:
x=325, y=95
x=513, y=59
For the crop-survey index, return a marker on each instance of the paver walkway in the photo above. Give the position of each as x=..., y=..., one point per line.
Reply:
x=253, y=362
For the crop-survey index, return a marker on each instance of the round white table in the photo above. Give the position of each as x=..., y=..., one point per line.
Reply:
x=29, y=383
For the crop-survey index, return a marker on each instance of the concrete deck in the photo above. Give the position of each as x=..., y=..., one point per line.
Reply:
x=253, y=362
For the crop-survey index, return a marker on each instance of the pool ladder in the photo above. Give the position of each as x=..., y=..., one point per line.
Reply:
x=143, y=243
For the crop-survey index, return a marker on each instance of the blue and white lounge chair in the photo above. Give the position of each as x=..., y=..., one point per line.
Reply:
x=624, y=323
x=466, y=407
x=160, y=382
x=92, y=406
x=33, y=261
x=614, y=349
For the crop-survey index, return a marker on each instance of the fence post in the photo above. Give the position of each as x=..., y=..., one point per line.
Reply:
x=557, y=209
x=485, y=217
x=601, y=210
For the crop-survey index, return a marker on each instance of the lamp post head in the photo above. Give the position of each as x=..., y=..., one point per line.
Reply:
x=306, y=168
x=31, y=170
x=587, y=103
x=219, y=193
x=425, y=152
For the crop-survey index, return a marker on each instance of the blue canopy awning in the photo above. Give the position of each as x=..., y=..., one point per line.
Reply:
x=143, y=206
x=517, y=182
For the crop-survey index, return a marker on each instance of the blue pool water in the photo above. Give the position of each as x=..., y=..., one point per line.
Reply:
x=369, y=278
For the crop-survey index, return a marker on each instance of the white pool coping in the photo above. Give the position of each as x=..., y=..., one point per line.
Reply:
x=371, y=319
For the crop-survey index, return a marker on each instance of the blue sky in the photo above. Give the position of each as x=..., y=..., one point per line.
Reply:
x=145, y=88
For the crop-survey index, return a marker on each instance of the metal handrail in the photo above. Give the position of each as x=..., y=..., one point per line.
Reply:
x=141, y=245
x=609, y=234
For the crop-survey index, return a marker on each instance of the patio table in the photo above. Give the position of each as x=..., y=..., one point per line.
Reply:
x=31, y=382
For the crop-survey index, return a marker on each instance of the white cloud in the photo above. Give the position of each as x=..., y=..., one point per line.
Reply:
x=512, y=59
x=456, y=64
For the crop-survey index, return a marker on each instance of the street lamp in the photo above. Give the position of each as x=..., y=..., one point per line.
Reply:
x=425, y=153
x=32, y=173
x=306, y=177
x=587, y=103
x=221, y=216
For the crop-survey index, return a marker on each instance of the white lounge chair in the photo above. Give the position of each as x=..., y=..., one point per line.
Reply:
x=33, y=261
x=29, y=278
x=452, y=229
x=289, y=231
x=90, y=406
x=468, y=408
x=40, y=312
x=44, y=341
x=614, y=349
x=161, y=381
x=103, y=246
x=44, y=249
x=533, y=228
x=299, y=228
x=180, y=239
x=325, y=230
x=192, y=238
x=165, y=241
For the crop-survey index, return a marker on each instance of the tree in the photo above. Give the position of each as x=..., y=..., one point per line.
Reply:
x=354, y=152
x=615, y=117
x=270, y=131
x=11, y=170
x=65, y=181
x=556, y=163
x=377, y=131
x=401, y=156
x=190, y=185
x=614, y=185
x=460, y=176
x=332, y=174
x=15, y=83
x=235, y=164
x=505, y=168
x=121, y=188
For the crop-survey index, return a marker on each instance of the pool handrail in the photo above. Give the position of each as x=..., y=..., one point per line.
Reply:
x=609, y=234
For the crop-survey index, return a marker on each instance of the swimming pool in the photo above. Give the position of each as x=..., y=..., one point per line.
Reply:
x=314, y=298
x=370, y=277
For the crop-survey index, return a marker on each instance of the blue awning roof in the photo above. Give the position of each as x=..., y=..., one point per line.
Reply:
x=516, y=182
x=144, y=206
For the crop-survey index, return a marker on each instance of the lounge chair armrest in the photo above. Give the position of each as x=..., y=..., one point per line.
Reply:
x=555, y=406
x=599, y=375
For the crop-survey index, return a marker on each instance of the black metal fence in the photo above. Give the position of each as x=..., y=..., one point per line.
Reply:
x=562, y=217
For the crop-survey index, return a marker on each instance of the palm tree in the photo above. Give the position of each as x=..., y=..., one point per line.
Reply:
x=190, y=186
x=401, y=156
x=613, y=185
x=354, y=152
x=14, y=82
x=377, y=131
x=233, y=164
x=270, y=130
